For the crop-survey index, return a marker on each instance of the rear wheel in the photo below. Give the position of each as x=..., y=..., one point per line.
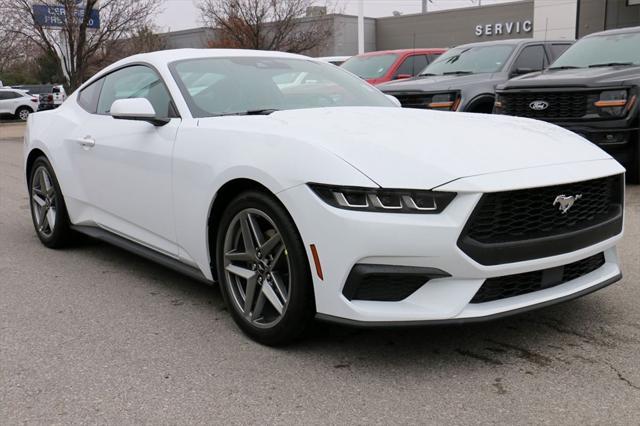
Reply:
x=23, y=113
x=48, y=210
x=263, y=270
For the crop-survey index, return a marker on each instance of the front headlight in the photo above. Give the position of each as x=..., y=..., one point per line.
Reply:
x=613, y=103
x=444, y=101
x=383, y=200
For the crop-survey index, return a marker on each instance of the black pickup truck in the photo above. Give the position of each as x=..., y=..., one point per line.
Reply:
x=592, y=90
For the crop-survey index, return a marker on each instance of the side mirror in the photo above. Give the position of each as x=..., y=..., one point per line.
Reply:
x=402, y=76
x=137, y=109
x=394, y=100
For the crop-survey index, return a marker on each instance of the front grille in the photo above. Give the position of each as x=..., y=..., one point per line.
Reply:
x=413, y=100
x=515, y=285
x=530, y=213
x=525, y=224
x=561, y=105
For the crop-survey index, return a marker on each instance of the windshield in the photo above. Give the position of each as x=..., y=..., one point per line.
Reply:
x=370, y=66
x=602, y=50
x=471, y=60
x=240, y=85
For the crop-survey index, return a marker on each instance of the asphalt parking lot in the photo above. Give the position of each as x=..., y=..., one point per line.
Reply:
x=93, y=334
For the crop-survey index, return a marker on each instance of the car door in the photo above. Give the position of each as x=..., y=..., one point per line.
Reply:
x=126, y=165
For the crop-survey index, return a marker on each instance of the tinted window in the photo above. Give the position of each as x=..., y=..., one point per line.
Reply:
x=532, y=58
x=4, y=95
x=370, y=66
x=471, y=59
x=219, y=86
x=602, y=49
x=412, y=65
x=135, y=82
x=557, y=50
x=433, y=56
x=89, y=96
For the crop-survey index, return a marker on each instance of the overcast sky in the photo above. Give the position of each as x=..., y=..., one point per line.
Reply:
x=183, y=14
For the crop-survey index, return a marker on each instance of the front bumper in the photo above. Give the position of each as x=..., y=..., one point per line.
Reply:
x=346, y=238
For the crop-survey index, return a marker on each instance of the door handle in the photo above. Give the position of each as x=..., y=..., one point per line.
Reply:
x=87, y=142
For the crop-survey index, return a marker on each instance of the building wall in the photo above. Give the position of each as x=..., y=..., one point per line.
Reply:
x=192, y=38
x=621, y=14
x=600, y=15
x=591, y=16
x=343, y=41
x=555, y=19
x=450, y=28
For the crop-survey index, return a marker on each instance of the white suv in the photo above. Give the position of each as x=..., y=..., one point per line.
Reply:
x=17, y=103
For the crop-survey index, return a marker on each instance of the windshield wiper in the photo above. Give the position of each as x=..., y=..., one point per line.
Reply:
x=565, y=67
x=457, y=72
x=265, y=111
x=611, y=64
x=426, y=74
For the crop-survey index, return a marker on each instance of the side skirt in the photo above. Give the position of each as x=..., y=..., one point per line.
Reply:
x=142, y=251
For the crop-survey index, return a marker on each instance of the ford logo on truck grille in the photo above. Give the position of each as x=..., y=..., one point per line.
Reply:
x=539, y=105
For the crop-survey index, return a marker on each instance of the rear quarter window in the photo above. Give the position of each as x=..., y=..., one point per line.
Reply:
x=89, y=96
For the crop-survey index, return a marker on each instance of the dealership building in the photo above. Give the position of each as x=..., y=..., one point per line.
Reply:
x=540, y=19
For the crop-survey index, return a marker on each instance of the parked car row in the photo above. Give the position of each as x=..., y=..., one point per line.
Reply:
x=590, y=87
x=22, y=100
x=17, y=103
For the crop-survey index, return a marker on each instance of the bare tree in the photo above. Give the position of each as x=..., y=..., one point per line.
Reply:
x=264, y=24
x=74, y=35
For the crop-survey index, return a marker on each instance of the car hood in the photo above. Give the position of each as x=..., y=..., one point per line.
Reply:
x=584, y=77
x=439, y=82
x=410, y=148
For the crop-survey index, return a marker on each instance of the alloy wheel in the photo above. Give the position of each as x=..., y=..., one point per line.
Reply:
x=257, y=268
x=23, y=114
x=44, y=202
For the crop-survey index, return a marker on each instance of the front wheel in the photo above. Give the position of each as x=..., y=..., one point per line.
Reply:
x=263, y=270
x=48, y=210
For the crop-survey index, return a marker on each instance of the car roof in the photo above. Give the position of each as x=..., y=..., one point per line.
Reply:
x=626, y=30
x=513, y=41
x=403, y=51
x=172, y=55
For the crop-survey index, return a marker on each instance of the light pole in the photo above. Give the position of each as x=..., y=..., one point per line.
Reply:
x=360, y=27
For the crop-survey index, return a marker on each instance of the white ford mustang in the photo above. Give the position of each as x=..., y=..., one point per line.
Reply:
x=323, y=198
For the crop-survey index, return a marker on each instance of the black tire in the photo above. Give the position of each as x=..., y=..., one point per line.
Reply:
x=299, y=310
x=633, y=170
x=61, y=234
x=21, y=111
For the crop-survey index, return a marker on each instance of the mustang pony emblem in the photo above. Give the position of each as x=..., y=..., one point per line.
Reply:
x=566, y=202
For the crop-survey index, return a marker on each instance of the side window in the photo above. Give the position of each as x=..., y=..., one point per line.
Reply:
x=406, y=67
x=137, y=81
x=419, y=63
x=88, y=97
x=557, y=50
x=4, y=95
x=531, y=58
x=433, y=56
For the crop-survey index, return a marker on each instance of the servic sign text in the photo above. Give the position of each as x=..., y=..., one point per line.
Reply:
x=504, y=28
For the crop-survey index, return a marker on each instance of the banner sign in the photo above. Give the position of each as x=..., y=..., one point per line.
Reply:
x=55, y=16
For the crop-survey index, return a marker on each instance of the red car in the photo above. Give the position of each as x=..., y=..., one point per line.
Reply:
x=380, y=67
